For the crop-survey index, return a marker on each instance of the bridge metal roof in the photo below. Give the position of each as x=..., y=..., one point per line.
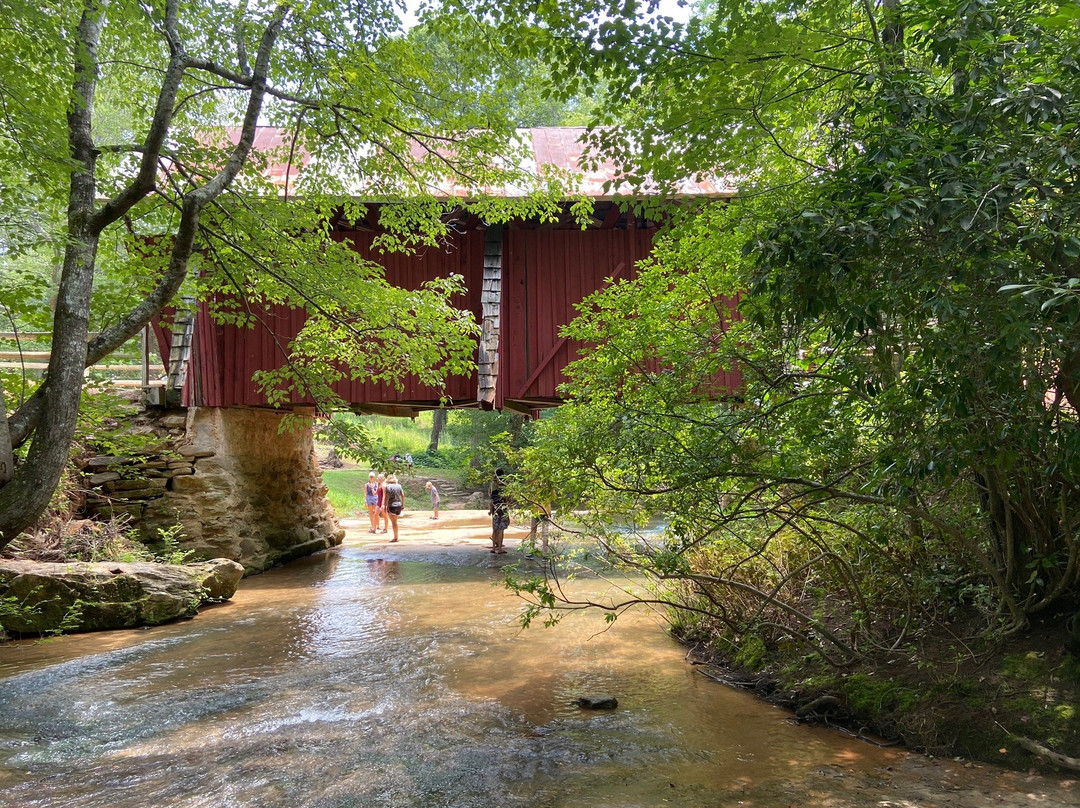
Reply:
x=562, y=147
x=558, y=147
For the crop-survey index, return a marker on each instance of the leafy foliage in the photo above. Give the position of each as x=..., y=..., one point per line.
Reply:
x=138, y=185
x=902, y=448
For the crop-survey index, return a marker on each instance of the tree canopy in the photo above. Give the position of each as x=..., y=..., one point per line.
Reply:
x=127, y=158
x=904, y=249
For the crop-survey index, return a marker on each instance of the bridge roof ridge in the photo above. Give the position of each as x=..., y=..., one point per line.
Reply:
x=542, y=148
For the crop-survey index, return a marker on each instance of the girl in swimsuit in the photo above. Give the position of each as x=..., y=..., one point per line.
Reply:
x=381, y=503
x=371, y=499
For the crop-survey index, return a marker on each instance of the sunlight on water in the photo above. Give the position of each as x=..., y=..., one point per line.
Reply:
x=353, y=680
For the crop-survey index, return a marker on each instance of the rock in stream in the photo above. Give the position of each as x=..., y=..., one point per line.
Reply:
x=597, y=702
x=79, y=596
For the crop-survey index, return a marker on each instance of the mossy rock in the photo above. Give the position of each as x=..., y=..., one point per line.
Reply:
x=42, y=598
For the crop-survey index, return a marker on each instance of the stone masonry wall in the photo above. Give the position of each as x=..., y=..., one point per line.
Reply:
x=240, y=488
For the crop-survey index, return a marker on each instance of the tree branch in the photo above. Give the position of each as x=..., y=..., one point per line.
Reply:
x=24, y=420
x=162, y=119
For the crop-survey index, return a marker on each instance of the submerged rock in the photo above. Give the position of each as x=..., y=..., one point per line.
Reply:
x=597, y=702
x=39, y=598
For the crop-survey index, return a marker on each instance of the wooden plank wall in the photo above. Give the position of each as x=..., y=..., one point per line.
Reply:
x=545, y=273
x=463, y=256
x=226, y=357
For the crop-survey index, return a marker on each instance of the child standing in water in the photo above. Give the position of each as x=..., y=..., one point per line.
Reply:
x=434, y=499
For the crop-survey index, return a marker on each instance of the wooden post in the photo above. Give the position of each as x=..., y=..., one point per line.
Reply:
x=7, y=458
x=145, y=357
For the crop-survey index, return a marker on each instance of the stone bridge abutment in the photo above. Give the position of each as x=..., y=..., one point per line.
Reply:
x=239, y=485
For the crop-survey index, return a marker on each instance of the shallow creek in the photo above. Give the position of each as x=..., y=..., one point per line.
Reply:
x=366, y=677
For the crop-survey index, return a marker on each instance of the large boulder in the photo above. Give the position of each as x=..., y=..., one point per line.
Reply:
x=38, y=598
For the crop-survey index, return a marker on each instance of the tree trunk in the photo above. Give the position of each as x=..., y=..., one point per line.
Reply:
x=438, y=423
x=1068, y=377
x=26, y=497
x=892, y=33
x=7, y=460
x=52, y=412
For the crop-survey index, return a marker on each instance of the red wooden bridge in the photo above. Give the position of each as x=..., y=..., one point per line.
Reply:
x=523, y=281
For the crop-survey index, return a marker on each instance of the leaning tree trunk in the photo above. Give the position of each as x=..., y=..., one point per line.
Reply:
x=51, y=413
x=7, y=460
x=28, y=493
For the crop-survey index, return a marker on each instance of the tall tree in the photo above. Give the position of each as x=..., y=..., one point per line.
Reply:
x=438, y=424
x=906, y=253
x=169, y=178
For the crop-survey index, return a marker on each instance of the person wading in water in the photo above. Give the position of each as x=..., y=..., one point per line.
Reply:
x=500, y=513
x=395, y=502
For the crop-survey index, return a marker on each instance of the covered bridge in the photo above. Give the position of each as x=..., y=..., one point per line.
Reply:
x=523, y=281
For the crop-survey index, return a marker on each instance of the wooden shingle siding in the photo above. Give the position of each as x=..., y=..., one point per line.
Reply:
x=490, y=306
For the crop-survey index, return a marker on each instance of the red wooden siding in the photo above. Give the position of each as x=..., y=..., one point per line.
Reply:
x=226, y=357
x=728, y=382
x=160, y=329
x=206, y=376
x=545, y=273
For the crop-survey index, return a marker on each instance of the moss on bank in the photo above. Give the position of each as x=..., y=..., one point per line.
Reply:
x=975, y=704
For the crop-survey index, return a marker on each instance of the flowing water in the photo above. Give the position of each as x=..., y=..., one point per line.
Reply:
x=369, y=678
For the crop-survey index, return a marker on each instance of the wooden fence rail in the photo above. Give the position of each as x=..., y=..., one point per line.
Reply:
x=29, y=351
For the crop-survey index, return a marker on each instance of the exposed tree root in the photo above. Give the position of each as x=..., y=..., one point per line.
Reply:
x=820, y=704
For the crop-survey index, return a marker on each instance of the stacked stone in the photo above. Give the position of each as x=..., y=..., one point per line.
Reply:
x=237, y=485
x=124, y=485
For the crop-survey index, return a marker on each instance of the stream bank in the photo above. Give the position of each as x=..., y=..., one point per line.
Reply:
x=995, y=702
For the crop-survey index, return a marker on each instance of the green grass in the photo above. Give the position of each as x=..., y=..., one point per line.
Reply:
x=345, y=487
x=345, y=490
x=400, y=435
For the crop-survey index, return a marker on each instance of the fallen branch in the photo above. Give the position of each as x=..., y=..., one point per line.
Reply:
x=724, y=680
x=1058, y=759
x=1036, y=748
x=859, y=736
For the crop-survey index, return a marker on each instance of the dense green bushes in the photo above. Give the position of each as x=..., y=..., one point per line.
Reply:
x=901, y=460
